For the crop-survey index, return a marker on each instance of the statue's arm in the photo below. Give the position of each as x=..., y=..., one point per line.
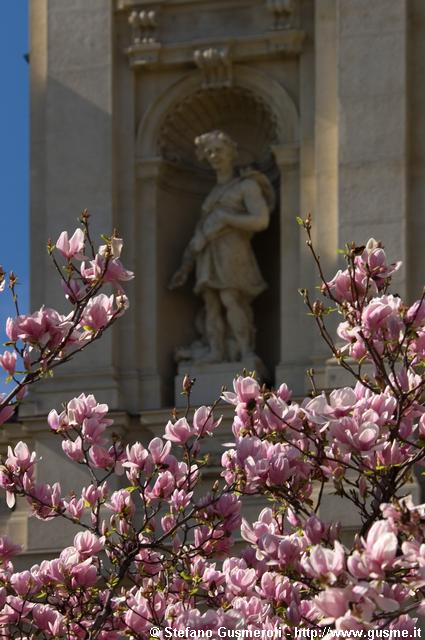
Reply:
x=188, y=262
x=258, y=214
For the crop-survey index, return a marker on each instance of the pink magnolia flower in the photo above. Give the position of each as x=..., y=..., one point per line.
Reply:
x=71, y=247
x=179, y=500
x=121, y=502
x=279, y=467
x=48, y=619
x=246, y=391
x=14, y=609
x=354, y=435
x=314, y=530
x=342, y=401
x=93, y=429
x=92, y=494
x=101, y=458
x=383, y=315
x=113, y=272
x=350, y=623
x=203, y=422
x=137, y=459
x=347, y=286
x=228, y=507
x=380, y=552
x=23, y=583
x=73, y=449
x=374, y=261
x=164, y=485
x=393, y=454
x=284, y=393
x=239, y=579
x=277, y=587
x=332, y=603
x=83, y=574
x=8, y=549
x=404, y=623
x=159, y=451
x=325, y=563
x=74, y=507
x=7, y=411
x=138, y=616
x=87, y=543
x=44, y=328
x=58, y=422
x=168, y=522
x=85, y=407
x=98, y=313
x=415, y=315
x=116, y=246
x=178, y=432
x=46, y=500
x=8, y=362
x=356, y=345
x=211, y=577
x=251, y=608
x=20, y=458
x=74, y=290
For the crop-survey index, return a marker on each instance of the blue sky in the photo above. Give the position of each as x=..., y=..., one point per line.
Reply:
x=14, y=150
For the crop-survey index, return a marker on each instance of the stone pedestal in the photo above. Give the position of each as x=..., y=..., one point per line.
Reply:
x=336, y=376
x=210, y=378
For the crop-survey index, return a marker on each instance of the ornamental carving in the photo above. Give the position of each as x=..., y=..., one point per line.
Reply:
x=282, y=11
x=216, y=66
x=144, y=26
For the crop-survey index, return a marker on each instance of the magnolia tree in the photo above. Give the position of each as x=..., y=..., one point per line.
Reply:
x=153, y=559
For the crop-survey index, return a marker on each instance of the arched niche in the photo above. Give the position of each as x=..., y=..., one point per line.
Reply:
x=260, y=115
x=267, y=89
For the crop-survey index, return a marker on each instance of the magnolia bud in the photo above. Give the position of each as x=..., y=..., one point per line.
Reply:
x=187, y=384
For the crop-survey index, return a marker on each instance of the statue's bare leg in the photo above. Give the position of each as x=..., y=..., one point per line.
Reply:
x=215, y=326
x=239, y=318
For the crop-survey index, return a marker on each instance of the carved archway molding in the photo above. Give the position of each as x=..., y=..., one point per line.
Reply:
x=274, y=95
x=219, y=108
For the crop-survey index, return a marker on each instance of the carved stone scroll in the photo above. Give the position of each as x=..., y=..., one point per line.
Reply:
x=282, y=11
x=216, y=66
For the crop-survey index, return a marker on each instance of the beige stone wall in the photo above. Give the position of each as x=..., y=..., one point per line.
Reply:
x=341, y=84
x=101, y=93
x=415, y=69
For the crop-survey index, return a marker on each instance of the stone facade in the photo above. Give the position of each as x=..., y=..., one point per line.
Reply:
x=324, y=96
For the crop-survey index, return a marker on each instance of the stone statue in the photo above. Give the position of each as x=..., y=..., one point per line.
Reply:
x=227, y=274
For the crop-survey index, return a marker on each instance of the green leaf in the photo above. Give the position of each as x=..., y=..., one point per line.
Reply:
x=114, y=581
x=185, y=576
x=131, y=489
x=300, y=221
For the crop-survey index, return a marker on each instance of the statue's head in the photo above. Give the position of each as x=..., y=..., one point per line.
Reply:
x=217, y=148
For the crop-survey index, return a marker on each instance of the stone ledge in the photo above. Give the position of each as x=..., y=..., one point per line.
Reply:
x=151, y=55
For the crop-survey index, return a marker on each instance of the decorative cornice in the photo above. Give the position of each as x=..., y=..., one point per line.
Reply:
x=126, y=5
x=285, y=42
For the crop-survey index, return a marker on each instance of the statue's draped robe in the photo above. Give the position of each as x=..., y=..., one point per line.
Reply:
x=227, y=261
